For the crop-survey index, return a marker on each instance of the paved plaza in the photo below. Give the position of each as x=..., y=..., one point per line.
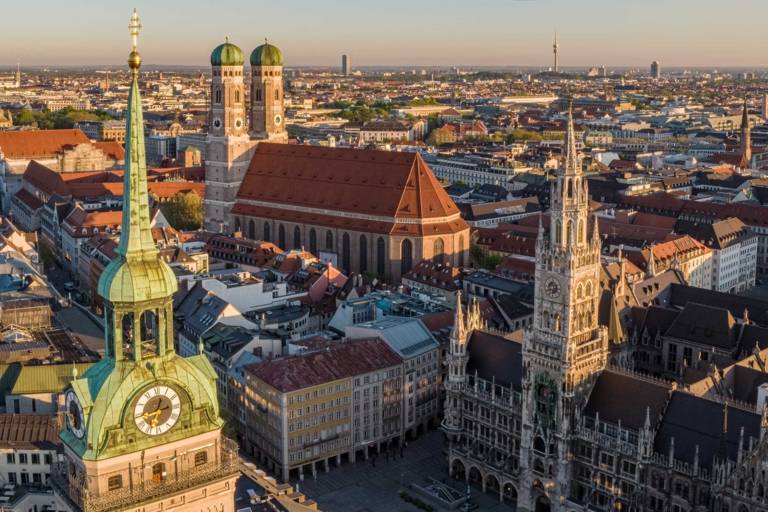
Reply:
x=361, y=487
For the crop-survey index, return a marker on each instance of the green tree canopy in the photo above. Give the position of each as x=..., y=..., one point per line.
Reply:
x=184, y=211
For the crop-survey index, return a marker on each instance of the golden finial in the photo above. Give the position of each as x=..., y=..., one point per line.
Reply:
x=134, y=59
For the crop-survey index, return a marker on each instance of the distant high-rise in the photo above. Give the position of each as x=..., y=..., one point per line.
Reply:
x=346, y=65
x=656, y=69
x=746, y=139
x=555, y=49
x=18, y=75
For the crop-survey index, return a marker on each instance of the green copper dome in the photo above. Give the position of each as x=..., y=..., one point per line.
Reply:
x=267, y=55
x=227, y=54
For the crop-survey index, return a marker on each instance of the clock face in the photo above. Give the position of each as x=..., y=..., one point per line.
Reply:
x=75, y=417
x=552, y=288
x=157, y=410
x=278, y=119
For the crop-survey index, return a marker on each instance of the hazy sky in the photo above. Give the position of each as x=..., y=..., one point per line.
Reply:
x=393, y=32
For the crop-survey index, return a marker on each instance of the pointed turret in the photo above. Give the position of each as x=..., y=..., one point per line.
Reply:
x=459, y=328
x=572, y=162
x=722, y=448
x=746, y=139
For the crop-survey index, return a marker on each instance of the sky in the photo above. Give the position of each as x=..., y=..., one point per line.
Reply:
x=711, y=33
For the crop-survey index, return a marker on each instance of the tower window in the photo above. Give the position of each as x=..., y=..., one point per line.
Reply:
x=201, y=458
x=258, y=94
x=277, y=94
x=115, y=482
x=237, y=96
x=158, y=472
x=217, y=96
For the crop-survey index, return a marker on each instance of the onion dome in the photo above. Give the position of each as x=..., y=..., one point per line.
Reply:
x=227, y=54
x=267, y=55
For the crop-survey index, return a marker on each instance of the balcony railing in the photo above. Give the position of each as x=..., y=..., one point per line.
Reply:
x=75, y=487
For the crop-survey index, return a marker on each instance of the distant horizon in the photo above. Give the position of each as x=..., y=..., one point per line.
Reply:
x=432, y=33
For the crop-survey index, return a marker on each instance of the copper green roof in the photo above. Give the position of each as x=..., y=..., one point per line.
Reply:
x=227, y=54
x=46, y=378
x=267, y=55
x=137, y=273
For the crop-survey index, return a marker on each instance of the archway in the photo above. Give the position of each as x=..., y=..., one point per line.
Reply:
x=510, y=494
x=457, y=470
x=492, y=484
x=475, y=476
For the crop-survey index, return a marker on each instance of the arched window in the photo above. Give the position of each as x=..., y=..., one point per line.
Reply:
x=461, y=250
x=438, y=251
x=579, y=291
x=558, y=235
x=569, y=186
x=115, y=482
x=569, y=232
x=363, y=254
x=329, y=240
x=267, y=234
x=251, y=230
x=313, y=241
x=258, y=94
x=201, y=458
x=217, y=96
x=345, y=252
x=381, y=256
x=582, y=232
x=277, y=94
x=127, y=327
x=296, y=237
x=589, y=289
x=158, y=472
x=237, y=224
x=237, y=95
x=406, y=256
x=149, y=333
x=557, y=322
x=281, y=237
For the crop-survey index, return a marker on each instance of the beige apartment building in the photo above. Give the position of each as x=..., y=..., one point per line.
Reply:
x=314, y=410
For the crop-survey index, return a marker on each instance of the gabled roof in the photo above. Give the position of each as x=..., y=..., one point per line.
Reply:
x=29, y=144
x=495, y=356
x=693, y=421
x=706, y=325
x=618, y=397
x=364, y=182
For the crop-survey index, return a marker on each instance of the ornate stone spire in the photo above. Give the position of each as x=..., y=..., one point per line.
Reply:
x=572, y=162
x=458, y=332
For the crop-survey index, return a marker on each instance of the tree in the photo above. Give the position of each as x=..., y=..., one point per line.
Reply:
x=184, y=211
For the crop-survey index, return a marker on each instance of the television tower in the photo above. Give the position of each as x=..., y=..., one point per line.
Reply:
x=555, y=48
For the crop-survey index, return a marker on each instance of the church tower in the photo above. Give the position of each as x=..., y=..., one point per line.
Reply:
x=746, y=139
x=228, y=146
x=143, y=429
x=267, y=102
x=565, y=348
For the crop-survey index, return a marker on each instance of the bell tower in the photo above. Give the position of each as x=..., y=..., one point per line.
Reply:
x=267, y=100
x=565, y=348
x=143, y=427
x=228, y=147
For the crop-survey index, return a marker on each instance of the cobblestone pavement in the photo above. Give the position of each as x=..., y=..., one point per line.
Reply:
x=361, y=487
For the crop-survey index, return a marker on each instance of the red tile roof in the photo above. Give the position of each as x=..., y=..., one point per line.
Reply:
x=39, y=143
x=28, y=199
x=367, y=182
x=112, y=149
x=337, y=361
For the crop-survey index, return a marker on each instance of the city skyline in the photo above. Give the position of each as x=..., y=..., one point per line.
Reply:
x=517, y=33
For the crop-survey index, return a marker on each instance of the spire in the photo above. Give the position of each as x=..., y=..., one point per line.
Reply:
x=722, y=450
x=458, y=331
x=136, y=236
x=572, y=163
x=746, y=139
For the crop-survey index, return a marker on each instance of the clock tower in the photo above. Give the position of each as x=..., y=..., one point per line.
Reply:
x=143, y=429
x=565, y=348
x=228, y=146
x=267, y=111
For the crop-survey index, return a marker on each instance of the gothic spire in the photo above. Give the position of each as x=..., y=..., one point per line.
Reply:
x=458, y=320
x=136, y=236
x=572, y=163
x=746, y=139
